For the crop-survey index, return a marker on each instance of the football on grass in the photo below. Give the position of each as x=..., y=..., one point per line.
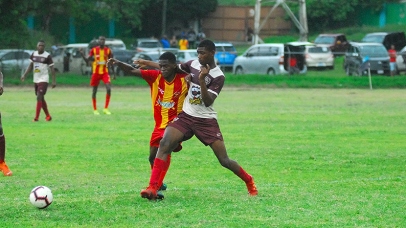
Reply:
x=41, y=197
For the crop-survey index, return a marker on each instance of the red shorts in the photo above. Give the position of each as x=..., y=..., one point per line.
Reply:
x=95, y=80
x=206, y=130
x=156, y=137
x=41, y=87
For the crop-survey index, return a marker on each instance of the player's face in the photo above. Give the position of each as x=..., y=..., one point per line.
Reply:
x=205, y=56
x=167, y=68
x=102, y=40
x=40, y=47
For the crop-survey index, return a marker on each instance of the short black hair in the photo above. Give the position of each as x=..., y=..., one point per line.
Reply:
x=168, y=56
x=208, y=44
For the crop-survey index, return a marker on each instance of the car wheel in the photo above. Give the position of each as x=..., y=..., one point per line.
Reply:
x=239, y=71
x=270, y=71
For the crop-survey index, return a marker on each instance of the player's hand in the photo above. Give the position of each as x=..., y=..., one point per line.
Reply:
x=1, y=91
x=53, y=85
x=204, y=71
x=140, y=63
x=188, y=78
x=22, y=78
x=112, y=61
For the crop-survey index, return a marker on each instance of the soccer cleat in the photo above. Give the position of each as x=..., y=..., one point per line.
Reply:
x=48, y=118
x=252, y=188
x=149, y=193
x=35, y=120
x=160, y=196
x=106, y=111
x=96, y=112
x=4, y=168
x=163, y=187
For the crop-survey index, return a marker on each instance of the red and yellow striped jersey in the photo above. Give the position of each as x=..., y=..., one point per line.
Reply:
x=167, y=97
x=101, y=55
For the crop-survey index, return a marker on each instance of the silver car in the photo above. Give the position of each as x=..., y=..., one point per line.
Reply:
x=14, y=59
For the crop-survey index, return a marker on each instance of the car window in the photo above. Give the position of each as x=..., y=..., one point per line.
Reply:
x=180, y=55
x=9, y=56
x=373, y=38
x=22, y=55
x=229, y=49
x=373, y=51
x=324, y=40
x=253, y=52
x=149, y=44
x=318, y=50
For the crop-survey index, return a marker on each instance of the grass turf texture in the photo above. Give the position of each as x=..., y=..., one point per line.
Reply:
x=320, y=157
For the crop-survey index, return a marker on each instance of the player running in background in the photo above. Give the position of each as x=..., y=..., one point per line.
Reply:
x=99, y=56
x=168, y=91
x=40, y=61
x=197, y=118
x=3, y=166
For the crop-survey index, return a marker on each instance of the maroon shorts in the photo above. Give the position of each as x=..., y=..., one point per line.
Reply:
x=205, y=129
x=95, y=80
x=156, y=137
x=41, y=87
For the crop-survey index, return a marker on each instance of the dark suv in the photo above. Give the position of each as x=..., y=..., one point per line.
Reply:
x=337, y=43
x=387, y=39
x=375, y=53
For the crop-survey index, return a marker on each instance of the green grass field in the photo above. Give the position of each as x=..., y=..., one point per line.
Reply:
x=320, y=158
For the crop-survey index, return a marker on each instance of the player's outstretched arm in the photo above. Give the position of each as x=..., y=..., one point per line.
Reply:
x=127, y=68
x=146, y=63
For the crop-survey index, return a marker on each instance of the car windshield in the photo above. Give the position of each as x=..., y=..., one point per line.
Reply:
x=148, y=44
x=373, y=51
x=324, y=40
x=318, y=50
x=193, y=54
x=373, y=38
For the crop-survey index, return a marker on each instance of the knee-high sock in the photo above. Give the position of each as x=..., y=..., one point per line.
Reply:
x=94, y=103
x=159, y=165
x=244, y=175
x=2, y=148
x=107, y=101
x=45, y=107
x=38, y=109
x=163, y=173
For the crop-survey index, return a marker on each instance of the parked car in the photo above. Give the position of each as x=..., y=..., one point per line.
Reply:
x=186, y=55
x=387, y=39
x=337, y=43
x=270, y=58
x=225, y=54
x=319, y=57
x=147, y=45
x=14, y=59
x=123, y=56
x=67, y=58
x=401, y=60
x=375, y=53
x=112, y=43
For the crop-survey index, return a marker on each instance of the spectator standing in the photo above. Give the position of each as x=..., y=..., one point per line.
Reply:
x=173, y=42
x=183, y=43
x=165, y=42
x=191, y=38
x=392, y=60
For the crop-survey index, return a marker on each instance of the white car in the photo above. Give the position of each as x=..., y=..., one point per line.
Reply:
x=319, y=57
x=186, y=55
x=400, y=60
x=70, y=55
x=271, y=59
x=14, y=59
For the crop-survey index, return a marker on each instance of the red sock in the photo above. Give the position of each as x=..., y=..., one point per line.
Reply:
x=107, y=101
x=163, y=173
x=94, y=103
x=159, y=165
x=38, y=109
x=2, y=148
x=244, y=175
x=45, y=107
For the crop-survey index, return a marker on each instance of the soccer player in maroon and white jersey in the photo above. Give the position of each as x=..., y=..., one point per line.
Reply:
x=197, y=118
x=3, y=166
x=41, y=60
x=99, y=56
x=168, y=91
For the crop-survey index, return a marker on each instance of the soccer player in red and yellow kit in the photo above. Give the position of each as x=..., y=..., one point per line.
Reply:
x=3, y=166
x=99, y=55
x=168, y=91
